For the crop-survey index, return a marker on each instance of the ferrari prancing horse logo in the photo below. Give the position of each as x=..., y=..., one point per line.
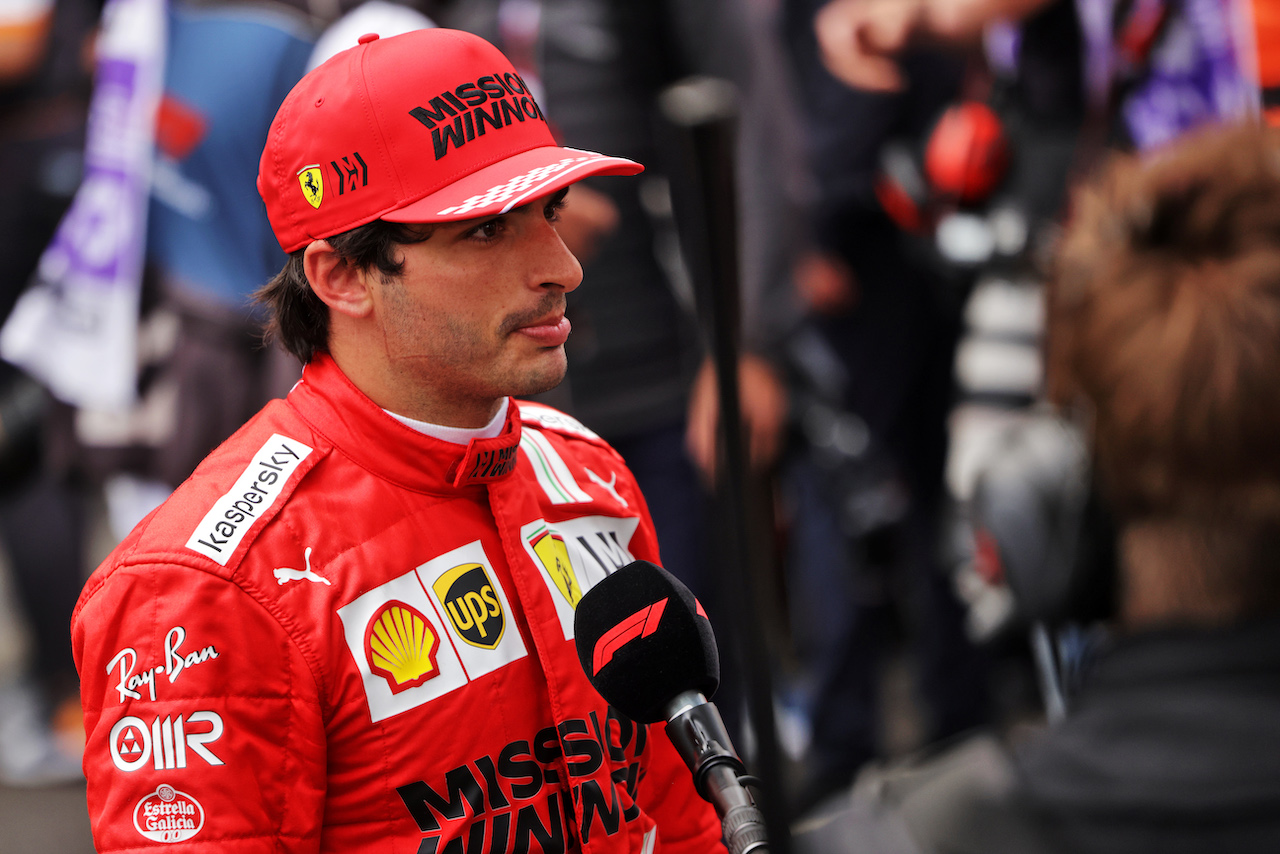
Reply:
x=311, y=180
x=550, y=549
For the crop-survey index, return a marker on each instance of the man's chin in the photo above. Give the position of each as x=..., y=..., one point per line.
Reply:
x=543, y=378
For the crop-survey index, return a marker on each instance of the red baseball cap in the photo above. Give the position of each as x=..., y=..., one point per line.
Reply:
x=429, y=126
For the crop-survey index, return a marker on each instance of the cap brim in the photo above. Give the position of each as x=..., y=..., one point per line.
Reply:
x=510, y=183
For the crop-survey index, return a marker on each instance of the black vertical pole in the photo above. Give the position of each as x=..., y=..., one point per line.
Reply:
x=705, y=112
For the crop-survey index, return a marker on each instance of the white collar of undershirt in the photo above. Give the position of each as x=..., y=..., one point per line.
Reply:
x=458, y=435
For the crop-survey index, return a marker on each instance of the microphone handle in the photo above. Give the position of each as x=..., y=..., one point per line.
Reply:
x=699, y=736
x=742, y=823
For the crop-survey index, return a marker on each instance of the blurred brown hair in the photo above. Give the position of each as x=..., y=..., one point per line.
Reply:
x=1164, y=320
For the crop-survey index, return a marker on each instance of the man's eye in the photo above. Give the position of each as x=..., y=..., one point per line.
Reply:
x=553, y=209
x=487, y=230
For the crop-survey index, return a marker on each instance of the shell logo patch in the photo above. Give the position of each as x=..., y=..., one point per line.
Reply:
x=167, y=815
x=311, y=180
x=401, y=646
x=468, y=598
x=386, y=629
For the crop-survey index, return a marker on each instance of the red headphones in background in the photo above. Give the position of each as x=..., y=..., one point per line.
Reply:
x=961, y=163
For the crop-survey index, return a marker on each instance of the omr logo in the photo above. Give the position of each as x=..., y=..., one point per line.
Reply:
x=468, y=598
x=401, y=646
x=641, y=624
x=166, y=741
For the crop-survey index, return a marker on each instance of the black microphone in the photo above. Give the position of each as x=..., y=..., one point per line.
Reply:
x=648, y=648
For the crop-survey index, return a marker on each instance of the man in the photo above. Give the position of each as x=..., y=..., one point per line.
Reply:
x=1164, y=323
x=1164, y=333
x=351, y=629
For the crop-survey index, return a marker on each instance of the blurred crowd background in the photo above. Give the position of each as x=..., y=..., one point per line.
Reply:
x=928, y=568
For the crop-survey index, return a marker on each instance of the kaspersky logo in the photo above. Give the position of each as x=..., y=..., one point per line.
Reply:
x=311, y=180
x=468, y=598
x=550, y=549
x=401, y=645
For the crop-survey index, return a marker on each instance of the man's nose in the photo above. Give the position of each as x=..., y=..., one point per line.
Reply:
x=557, y=267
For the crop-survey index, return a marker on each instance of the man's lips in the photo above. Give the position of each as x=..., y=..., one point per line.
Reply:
x=548, y=332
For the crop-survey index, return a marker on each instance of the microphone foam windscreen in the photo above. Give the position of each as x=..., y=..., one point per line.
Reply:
x=642, y=639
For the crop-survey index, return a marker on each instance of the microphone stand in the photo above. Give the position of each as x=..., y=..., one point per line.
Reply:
x=705, y=112
x=698, y=734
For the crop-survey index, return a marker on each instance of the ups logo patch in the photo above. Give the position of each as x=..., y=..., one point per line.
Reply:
x=469, y=599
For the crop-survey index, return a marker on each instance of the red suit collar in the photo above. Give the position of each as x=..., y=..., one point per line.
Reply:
x=359, y=428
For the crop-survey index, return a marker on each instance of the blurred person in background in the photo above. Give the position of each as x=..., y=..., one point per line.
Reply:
x=200, y=244
x=1148, y=71
x=208, y=246
x=45, y=62
x=1164, y=344
x=1072, y=79
x=1163, y=330
x=863, y=491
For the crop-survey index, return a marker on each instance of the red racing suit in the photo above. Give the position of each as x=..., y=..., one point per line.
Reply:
x=342, y=635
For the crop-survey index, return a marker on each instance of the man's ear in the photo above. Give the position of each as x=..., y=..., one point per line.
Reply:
x=340, y=285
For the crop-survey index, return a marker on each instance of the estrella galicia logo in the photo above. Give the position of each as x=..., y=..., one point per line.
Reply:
x=311, y=179
x=469, y=599
x=352, y=172
x=167, y=815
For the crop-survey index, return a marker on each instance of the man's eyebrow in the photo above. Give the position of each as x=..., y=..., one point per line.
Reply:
x=556, y=198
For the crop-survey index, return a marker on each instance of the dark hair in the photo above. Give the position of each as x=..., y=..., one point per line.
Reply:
x=299, y=320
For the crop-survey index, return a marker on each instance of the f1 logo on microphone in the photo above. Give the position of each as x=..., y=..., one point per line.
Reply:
x=641, y=624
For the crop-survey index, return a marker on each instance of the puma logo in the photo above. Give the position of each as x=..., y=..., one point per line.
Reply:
x=609, y=487
x=284, y=573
